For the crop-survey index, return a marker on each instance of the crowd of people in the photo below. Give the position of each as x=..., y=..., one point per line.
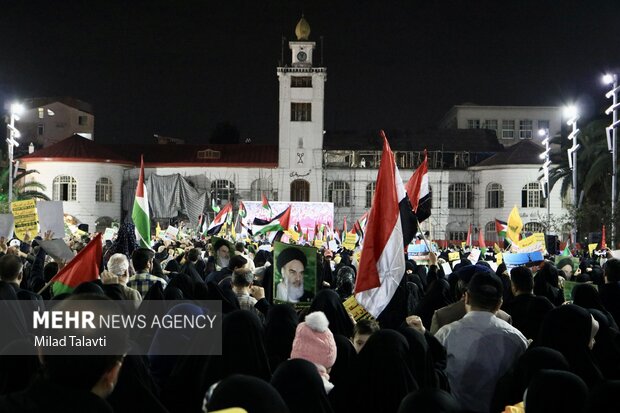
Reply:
x=474, y=340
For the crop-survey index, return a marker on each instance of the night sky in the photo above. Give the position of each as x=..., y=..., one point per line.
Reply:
x=177, y=68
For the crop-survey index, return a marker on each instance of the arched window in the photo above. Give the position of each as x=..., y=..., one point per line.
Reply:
x=300, y=190
x=370, y=193
x=103, y=190
x=495, y=195
x=533, y=227
x=531, y=196
x=64, y=188
x=262, y=186
x=460, y=196
x=490, y=232
x=456, y=231
x=339, y=193
x=223, y=191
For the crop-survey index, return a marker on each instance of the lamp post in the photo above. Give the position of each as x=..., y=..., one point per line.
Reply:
x=16, y=110
x=612, y=144
x=545, y=178
x=570, y=112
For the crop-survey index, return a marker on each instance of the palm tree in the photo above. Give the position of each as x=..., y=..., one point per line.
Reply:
x=22, y=189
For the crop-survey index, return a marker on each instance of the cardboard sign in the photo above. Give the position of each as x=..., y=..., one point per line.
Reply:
x=51, y=217
x=447, y=270
x=513, y=260
x=356, y=310
x=171, y=233
x=474, y=255
x=350, y=241
x=454, y=256
x=109, y=234
x=57, y=249
x=6, y=226
x=25, y=218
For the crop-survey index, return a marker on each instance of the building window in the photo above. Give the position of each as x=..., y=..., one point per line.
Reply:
x=258, y=187
x=41, y=113
x=473, y=123
x=64, y=188
x=567, y=200
x=103, y=190
x=491, y=124
x=301, y=81
x=223, y=191
x=301, y=112
x=209, y=154
x=457, y=235
x=82, y=120
x=300, y=191
x=370, y=193
x=525, y=129
x=533, y=227
x=40, y=129
x=508, y=129
x=339, y=193
x=490, y=232
x=531, y=196
x=495, y=196
x=460, y=196
x=543, y=124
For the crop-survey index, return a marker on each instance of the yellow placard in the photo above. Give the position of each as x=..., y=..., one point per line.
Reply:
x=592, y=247
x=463, y=244
x=356, y=310
x=499, y=258
x=318, y=243
x=532, y=239
x=454, y=256
x=349, y=242
x=26, y=218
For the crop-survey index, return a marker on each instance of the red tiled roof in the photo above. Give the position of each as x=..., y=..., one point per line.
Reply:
x=76, y=149
x=79, y=149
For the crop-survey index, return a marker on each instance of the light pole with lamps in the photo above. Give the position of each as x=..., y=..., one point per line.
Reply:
x=545, y=178
x=612, y=144
x=16, y=110
x=570, y=112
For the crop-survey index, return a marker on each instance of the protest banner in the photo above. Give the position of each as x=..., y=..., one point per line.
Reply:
x=171, y=233
x=355, y=309
x=454, y=256
x=474, y=255
x=109, y=233
x=57, y=249
x=6, y=226
x=535, y=242
x=51, y=218
x=25, y=218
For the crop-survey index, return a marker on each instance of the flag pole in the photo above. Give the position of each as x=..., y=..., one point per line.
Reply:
x=423, y=236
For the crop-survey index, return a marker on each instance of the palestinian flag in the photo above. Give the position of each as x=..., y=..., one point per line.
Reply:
x=140, y=212
x=279, y=223
x=242, y=211
x=219, y=221
x=84, y=267
x=265, y=203
x=418, y=191
x=501, y=227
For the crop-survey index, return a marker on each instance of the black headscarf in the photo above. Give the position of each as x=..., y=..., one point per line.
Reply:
x=509, y=389
x=546, y=284
x=345, y=355
x=301, y=387
x=243, y=349
x=553, y=391
x=606, y=350
x=429, y=401
x=422, y=364
x=125, y=242
x=328, y=301
x=381, y=368
x=249, y=393
x=568, y=329
x=437, y=296
x=280, y=329
x=184, y=283
x=173, y=266
x=586, y=296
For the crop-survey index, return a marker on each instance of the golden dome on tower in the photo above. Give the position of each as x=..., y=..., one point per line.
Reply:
x=302, y=30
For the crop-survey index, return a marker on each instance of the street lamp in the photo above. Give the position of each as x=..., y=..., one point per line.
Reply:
x=612, y=143
x=15, y=111
x=570, y=112
x=545, y=178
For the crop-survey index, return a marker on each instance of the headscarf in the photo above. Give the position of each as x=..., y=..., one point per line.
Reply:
x=280, y=328
x=509, y=389
x=606, y=350
x=243, y=349
x=184, y=283
x=568, y=329
x=422, y=365
x=546, y=284
x=328, y=301
x=553, y=391
x=586, y=296
x=437, y=296
x=381, y=368
x=125, y=242
x=429, y=401
x=345, y=355
x=301, y=387
x=249, y=393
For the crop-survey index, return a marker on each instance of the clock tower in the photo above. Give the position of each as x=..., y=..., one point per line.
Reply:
x=302, y=91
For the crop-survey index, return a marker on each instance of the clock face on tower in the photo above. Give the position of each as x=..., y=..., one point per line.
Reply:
x=301, y=56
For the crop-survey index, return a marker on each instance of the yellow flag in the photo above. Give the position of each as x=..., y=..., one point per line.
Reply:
x=515, y=225
x=592, y=247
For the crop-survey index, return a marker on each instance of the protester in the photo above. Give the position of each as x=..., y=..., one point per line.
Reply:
x=362, y=331
x=142, y=260
x=301, y=387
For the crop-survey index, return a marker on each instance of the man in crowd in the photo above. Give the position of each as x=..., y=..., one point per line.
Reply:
x=142, y=260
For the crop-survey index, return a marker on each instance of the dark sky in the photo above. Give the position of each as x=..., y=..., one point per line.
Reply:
x=179, y=67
